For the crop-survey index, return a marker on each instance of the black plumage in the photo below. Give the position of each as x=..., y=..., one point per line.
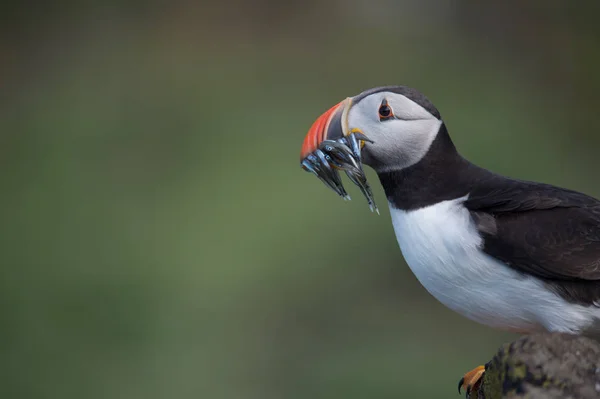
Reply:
x=537, y=229
x=542, y=230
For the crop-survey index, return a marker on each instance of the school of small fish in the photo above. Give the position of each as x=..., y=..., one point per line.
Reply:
x=342, y=154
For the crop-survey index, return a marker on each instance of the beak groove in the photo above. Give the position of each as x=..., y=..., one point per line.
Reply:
x=331, y=123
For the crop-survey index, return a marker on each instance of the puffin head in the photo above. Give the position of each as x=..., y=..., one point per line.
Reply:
x=395, y=127
x=400, y=122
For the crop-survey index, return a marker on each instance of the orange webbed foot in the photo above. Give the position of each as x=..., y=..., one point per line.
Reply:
x=471, y=380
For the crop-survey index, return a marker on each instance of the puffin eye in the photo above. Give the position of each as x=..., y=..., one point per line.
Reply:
x=385, y=111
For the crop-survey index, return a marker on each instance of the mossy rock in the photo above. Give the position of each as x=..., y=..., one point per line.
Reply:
x=546, y=365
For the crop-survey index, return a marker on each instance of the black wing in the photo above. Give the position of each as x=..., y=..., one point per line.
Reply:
x=546, y=231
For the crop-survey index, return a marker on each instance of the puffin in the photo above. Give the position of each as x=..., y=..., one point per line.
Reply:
x=514, y=255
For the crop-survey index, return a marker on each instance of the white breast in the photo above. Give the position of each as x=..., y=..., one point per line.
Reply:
x=443, y=249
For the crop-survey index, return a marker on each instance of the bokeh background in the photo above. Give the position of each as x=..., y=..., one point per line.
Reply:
x=159, y=239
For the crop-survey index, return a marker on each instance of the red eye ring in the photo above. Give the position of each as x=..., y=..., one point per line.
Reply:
x=385, y=111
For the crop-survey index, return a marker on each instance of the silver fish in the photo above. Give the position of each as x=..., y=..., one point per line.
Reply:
x=312, y=164
x=330, y=175
x=339, y=154
x=344, y=154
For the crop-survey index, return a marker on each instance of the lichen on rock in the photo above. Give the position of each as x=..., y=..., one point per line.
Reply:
x=545, y=365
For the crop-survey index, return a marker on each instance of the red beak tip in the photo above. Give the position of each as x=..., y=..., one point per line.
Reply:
x=317, y=132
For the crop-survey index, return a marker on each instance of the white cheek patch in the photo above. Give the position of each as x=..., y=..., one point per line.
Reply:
x=398, y=143
x=407, y=109
x=404, y=143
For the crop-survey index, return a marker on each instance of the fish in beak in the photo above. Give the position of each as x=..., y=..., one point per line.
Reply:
x=330, y=146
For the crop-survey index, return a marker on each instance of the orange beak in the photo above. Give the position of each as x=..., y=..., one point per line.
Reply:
x=332, y=125
x=330, y=147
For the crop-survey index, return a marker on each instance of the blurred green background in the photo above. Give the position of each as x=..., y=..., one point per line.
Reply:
x=159, y=239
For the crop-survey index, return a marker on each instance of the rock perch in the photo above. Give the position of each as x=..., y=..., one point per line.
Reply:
x=546, y=365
